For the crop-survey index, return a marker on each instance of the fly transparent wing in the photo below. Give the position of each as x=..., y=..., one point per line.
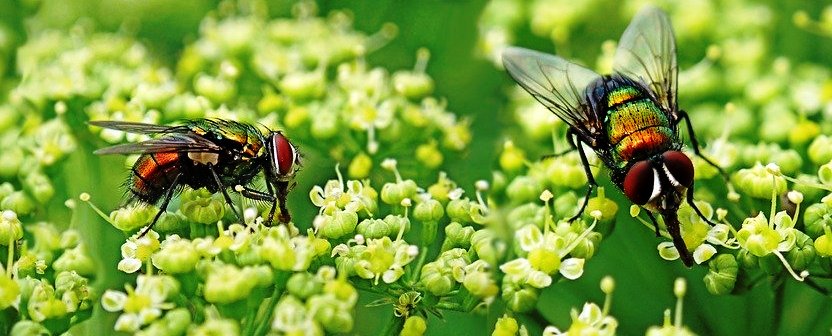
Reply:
x=136, y=127
x=557, y=84
x=188, y=143
x=647, y=52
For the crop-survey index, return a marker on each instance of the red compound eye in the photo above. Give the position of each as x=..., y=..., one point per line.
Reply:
x=679, y=167
x=284, y=154
x=639, y=182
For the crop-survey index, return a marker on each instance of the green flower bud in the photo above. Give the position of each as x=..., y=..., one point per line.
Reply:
x=459, y=210
x=327, y=310
x=566, y=171
x=360, y=166
x=132, y=217
x=817, y=217
x=512, y=158
x=9, y=291
x=304, y=285
x=28, y=265
x=187, y=106
x=302, y=86
x=442, y=188
x=820, y=151
x=429, y=155
x=412, y=85
x=218, y=89
x=823, y=244
x=175, y=322
x=524, y=189
x=270, y=103
x=722, y=274
x=803, y=254
x=566, y=205
x=374, y=228
x=341, y=223
x=520, y=299
x=428, y=211
x=216, y=326
x=392, y=193
x=804, y=131
x=28, y=328
x=397, y=224
x=325, y=125
x=201, y=206
x=482, y=242
x=296, y=116
x=226, y=284
x=6, y=189
x=11, y=159
x=457, y=236
x=342, y=290
x=10, y=228
x=414, y=326
x=170, y=222
x=480, y=285
x=174, y=257
x=435, y=281
x=77, y=260
x=529, y=213
x=606, y=206
x=18, y=202
x=757, y=182
x=825, y=173
x=279, y=253
x=506, y=326
x=757, y=237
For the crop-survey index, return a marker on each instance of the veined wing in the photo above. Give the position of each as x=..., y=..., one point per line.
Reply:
x=171, y=143
x=557, y=84
x=647, y=52
x=138, y=128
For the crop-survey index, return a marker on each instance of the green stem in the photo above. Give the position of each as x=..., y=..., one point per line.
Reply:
x=280, y=281
x=393, y=326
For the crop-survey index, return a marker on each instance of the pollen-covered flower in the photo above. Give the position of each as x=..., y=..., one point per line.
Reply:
x=590, y=321
x=142, y=305
x=137, y=250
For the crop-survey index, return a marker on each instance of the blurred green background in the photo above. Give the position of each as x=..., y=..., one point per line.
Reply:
x=474, y=87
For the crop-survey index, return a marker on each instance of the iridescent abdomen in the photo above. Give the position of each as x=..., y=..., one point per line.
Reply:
x=636, y=126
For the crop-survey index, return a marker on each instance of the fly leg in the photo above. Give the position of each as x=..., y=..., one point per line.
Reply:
x=222, y=188
x=655, y=223
x=591, y=184
x=696, y=149
x=163, y=206
x=693, y=205
x=261, y=196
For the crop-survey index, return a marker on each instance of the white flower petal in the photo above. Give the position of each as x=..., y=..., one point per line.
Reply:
x=703, y=253
x=572, y=268
x=113, y=301
x=129, y=265
x=668, y=251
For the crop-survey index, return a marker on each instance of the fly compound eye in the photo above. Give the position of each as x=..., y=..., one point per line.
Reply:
x=641, y=184
x=284, y=154
x=679, y=168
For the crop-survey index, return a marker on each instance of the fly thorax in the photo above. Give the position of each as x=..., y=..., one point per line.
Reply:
x=204, y=158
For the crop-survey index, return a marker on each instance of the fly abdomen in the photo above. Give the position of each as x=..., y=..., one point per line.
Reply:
x=153, y=174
